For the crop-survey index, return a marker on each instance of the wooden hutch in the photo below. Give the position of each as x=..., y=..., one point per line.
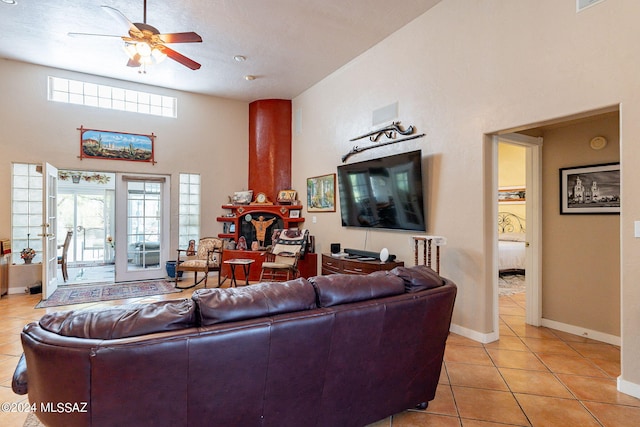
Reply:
x=233, y=226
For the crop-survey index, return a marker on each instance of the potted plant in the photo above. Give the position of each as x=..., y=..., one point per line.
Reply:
x=27, y=254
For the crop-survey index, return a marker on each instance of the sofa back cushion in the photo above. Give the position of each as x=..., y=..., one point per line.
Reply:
x=418, y=278
x=123, y=321
x=337, y=289
x=264, y=299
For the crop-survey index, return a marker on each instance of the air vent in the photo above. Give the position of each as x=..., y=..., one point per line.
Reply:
x=385, y=114
x=583, y=4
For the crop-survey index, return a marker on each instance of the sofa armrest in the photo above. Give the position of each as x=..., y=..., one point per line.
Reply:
x=19, y=382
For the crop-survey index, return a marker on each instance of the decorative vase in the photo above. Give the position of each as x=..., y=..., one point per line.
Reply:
x=27, y=260
x=171, y=269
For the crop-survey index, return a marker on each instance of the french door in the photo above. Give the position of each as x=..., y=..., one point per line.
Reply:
x=49, y=229
x=142, y=226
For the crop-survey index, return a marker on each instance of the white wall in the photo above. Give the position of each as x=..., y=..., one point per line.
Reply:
x=462, y=70
x=209, y=137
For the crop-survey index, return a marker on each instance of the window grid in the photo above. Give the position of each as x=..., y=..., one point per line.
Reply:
x=26, y=210
x=113, y=98
x=189, y=211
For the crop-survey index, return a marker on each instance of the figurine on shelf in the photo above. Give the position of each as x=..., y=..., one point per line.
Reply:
x=242, y=244
x=261, y=226
x=191, y=250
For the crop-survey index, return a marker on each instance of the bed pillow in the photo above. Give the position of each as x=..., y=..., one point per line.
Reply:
x=511, y=237
x=122, y=321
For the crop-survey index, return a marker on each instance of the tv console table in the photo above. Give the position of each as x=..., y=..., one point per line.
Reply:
x=333, y=265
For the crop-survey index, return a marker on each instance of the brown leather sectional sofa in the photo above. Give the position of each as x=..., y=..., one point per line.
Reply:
x=338, y=350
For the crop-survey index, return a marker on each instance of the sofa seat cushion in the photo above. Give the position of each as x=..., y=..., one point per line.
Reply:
x=337, y=289
x=418, y=278
x=122, y=321
x=264, y=299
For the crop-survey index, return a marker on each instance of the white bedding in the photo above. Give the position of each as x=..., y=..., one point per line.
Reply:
x=511, y=252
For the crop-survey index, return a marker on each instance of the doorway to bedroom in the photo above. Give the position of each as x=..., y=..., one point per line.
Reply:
x=575, y=286
x=512, y=220
x=518, y=221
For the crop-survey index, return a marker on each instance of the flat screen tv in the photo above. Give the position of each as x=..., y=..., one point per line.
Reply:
x=383, y=193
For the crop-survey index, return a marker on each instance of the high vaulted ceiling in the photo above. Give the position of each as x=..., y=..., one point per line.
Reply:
x=289, y=45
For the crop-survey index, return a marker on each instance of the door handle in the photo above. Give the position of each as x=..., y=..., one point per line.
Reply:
x=526, y=244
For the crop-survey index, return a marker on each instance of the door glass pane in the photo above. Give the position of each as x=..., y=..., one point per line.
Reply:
x=143, y=224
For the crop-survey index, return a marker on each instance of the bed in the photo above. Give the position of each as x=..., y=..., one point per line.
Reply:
x=511, y=243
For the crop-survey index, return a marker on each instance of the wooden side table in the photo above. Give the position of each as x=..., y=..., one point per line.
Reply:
x=246, y=265
x=427, y=242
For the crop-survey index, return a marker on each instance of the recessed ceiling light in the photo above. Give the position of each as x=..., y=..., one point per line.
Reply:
x=239, y=58
x=10, y=1
x=249, y=77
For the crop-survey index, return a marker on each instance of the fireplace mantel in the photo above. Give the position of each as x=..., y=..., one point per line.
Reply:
x=239, y=211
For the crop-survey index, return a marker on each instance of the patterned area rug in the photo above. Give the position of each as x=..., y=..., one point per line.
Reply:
x=66, y=295
x=511, y=284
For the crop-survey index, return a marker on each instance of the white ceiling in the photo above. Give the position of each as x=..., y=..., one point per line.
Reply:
x=289, y=44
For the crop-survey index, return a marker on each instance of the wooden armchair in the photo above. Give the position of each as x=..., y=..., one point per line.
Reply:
x=62, y=259
x=207, y=258
x=281, y=260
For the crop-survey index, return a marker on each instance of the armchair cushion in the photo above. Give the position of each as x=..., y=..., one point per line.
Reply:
x=290, y=240
x=209, y=247
x=201, y=263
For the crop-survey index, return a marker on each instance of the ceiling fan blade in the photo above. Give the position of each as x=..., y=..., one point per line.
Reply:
x=92, y=35
x=189, y=37
x=119, y=16
x=178, y=57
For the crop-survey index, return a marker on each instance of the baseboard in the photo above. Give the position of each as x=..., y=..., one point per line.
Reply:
x=627, y=387
x=575, y=330
x=17, y=290
x=582, y=332
x=474, y=335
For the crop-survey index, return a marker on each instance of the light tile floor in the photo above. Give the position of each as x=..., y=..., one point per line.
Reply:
x=530, y=377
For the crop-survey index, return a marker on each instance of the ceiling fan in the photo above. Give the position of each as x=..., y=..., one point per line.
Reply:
x=145, y=45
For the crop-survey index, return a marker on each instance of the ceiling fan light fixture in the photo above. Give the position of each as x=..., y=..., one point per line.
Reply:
x=130, y=50
x=158, y=55
x=143, y=49
x=144, y=44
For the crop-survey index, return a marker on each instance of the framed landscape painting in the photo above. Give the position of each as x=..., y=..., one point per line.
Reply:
x=590, y=189
x=102, y=144
x=321, y=193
